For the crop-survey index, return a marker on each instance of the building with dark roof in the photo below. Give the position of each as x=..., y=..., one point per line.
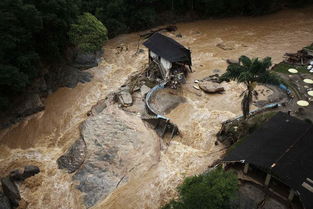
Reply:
x=171, y=57
x=283, y=148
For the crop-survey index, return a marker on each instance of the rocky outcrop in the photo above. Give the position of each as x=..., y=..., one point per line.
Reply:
x=224, y=46
x=74, y=157
x=119, y=146
x=30, y=102
x=85, y=60
x=21, y=175
x=4, y=202
x=11, y=191
x=210, y=87
x=125, y=97
x=11, y=197
x=66, y=76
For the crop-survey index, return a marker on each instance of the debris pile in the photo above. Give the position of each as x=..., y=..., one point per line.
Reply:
x=302, y=57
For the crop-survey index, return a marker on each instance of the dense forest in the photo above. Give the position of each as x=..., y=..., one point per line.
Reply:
x=34, y=33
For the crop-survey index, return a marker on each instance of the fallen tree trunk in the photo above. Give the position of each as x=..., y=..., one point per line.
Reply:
x=169, y=28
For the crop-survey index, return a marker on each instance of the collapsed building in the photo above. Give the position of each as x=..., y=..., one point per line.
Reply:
x=172, y=58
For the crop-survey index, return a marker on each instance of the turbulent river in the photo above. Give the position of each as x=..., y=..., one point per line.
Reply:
x=42, y=138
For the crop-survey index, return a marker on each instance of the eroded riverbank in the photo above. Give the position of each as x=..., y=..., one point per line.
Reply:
x=44, y=137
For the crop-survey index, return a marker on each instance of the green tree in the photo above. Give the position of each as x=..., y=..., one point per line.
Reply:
x=250, y=72
x=57, y=16
x=32, y=32
x=88, y=34
x=18, y=57
x=215, y=190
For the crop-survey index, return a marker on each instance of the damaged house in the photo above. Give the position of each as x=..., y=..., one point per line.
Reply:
x=280, y=152
x=172, y=58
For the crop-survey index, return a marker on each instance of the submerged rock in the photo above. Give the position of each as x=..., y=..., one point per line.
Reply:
x=209, y=87
x=21, y=175
x=30, y=170
x=30, y=104
x=224, y=47
x=66, y=76
x=11, y=191
x=74, y=157
x=4, y=202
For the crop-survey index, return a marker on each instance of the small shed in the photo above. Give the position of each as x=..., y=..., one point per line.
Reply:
x=171, y=57
x=282, y=148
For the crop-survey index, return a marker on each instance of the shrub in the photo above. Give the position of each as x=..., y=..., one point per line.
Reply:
x=88, y=34
x=215, y=190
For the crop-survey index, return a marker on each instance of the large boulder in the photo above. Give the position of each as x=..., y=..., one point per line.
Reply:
x=11, y=191
x=85, y=60
x=119, y=146
x=21, y=175
x=66, y=76
x=74, y=157
x=4, y=202
x=29, y=171
x=211, y=88
x=29, y=104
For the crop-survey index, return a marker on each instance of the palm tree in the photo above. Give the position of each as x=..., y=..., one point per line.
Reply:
x=250, y=72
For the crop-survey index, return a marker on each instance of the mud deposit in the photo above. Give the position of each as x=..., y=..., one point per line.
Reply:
x=126, y=164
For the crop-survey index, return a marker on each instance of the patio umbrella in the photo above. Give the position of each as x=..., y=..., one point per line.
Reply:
x=292, y=70
x=302, y=103
x=309, y=81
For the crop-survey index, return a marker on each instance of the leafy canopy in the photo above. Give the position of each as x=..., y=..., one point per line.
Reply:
x=214, y=190
x=250, y=71
x=88, y=34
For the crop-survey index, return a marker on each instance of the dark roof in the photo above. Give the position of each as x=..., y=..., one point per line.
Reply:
x=283, y=146
x=168, y=48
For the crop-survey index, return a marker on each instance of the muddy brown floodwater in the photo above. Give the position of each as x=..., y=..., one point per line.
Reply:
x=42, y=138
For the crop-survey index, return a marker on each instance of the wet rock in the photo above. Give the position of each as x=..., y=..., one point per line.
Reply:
x=85, y=58
x=66, y=76
x=224, y=47
x=29, y=171
x=118, y=145
x=231, y=61
x=4, y=202
x=165, y=100
x=211, y=88
x=29, y=105
x=214, y=78
x=144, y=90
x=16, y=175
x=99, y=107
x=74, y=157
x=179, y=35
x=11, y=191
x=21, y=175
x=124, y=97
